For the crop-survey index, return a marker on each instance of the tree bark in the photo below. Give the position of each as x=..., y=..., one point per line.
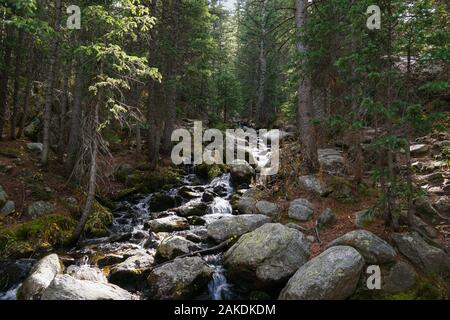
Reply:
x=261, y=117
x=26, y=100
x=305, y=112
x=50, y=87
x=62, y=116
x=4, y=78
x=16, y=92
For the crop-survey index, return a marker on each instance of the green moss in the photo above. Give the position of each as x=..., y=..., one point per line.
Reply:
x=13, y=153
x=162, y=179
x=99, y=221
x=45, y=232
x=210, y=172
x=342, y=190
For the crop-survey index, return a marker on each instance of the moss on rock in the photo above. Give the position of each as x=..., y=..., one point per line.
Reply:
x=99, y=221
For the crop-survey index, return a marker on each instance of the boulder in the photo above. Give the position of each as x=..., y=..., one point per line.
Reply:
x=331, y=161
x=66, y=287
x=333, y=275
x=180, y=279
x=189, y=192
x=267, y=208
x=86, y=272
x=168, y=224
x=174, y=246
x=231, y=226
x=8, y=208
x=326, y=218
x=312, y=184
x=267, y=256
x=41, y=275
x=241, y=173
x=301, y=210
x=110, y=259
x=364, y=218
x=193, y=208
x=430, y=259
x=400, y=277
x=40, y=208
x=161, y=201
x=373, y=249
x=246, y=205
x=35, y=147
x=131, y=273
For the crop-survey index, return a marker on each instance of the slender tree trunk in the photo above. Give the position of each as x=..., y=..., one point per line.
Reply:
x=26, y=100
x=50, y=87
x=262, y=67
x=75, y=127
x=138, y=138
x=305, y=112
x=16, y=92
x=4, y=78
x=92, y=175
x=62, y=116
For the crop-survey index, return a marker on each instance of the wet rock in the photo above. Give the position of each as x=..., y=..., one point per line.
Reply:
x=312, y=184
x=235, y=226
x=161, y=201
x=267, y=256
x=364, y=218
x=418, y=149
x=110, y=260
x=400, y=277
x=181, y=279
x=326, y=219
x=208, y=196
x=373, y=249
x=332, y=161
x=13, y=272
x=333, y=275
x=241, y=173
x=42, y=274
x=192, y=209
x=188, y=192
x=196, y=221
x=35, y=147
x=300, y=210
x=246, y=205
x=8, y=208
x=168, y=224
x=175, y=246
x=39, y=209
x=131, y=273
x=267, y=208
x=65, y=287
x=430, y=259
x=86, y=272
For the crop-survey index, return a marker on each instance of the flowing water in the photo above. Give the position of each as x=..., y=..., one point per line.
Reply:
x=129, y=234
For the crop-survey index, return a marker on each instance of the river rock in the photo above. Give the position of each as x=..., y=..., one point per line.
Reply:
x=8, y=208
x=66, y=287
x=180, y=279
x=174, y=246
x=35, y=147
x=326, y=218
x=42, y=274
x=86, y=272
x=189, y=192
x=267, y=256
x=192, y=209
x=430, y=259
x=131, y=273
x=230, y=226
x=40, y=208
x=161, y=201
x=241, y=173
x=333, y=275
x=246, y=205
x=110, y=259
x=267, y=208
x=168, y=224
x=301, y=210
x=373, y=249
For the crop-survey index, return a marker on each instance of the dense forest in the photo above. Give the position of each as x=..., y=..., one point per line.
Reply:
x=356, y=94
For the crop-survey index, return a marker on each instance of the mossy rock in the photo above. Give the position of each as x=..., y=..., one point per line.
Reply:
x=12, y=153
x=164, y=178
x=120, y=195
x=43, y=233
x=99, y=221
x=210, y=171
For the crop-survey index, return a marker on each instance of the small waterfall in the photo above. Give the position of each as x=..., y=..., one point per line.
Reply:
x=221, y=206
x=218, y=288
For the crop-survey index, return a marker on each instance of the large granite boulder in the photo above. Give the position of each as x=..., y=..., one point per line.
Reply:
x=131, y=273
x=174, y=246
x=230, y=226
x=168, y=224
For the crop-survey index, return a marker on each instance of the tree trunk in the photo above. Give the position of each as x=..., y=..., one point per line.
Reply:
x=26, y=100
x=305, y=112
x=50, y=87
x=75, y=133
x=4, y=78
x=92, y=175
x=262, y=67
x=62, y=116
x=17, y=66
